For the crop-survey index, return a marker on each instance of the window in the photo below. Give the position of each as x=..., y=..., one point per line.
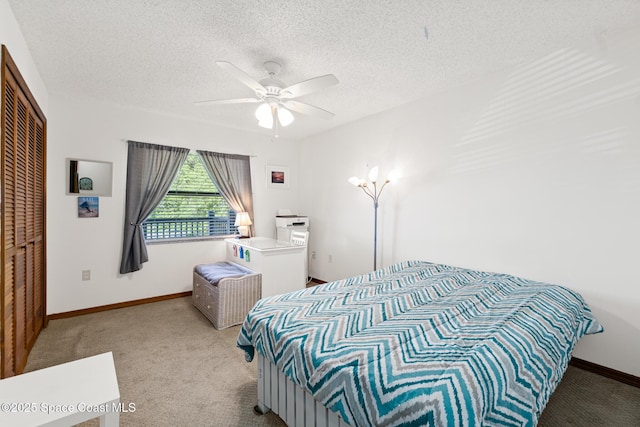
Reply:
x=193, y=207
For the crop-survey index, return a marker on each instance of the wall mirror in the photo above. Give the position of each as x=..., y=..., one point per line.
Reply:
x=89, y=177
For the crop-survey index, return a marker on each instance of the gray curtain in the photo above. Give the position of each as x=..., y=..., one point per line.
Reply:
x=150, y=171
x=232, y=175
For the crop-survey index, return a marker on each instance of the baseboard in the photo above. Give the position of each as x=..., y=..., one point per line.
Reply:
x=313, y=282
x=622, y=377
x=116, y=305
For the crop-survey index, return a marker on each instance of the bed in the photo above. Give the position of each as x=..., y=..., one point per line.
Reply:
x=415, y=344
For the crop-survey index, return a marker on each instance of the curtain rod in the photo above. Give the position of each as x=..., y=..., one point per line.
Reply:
x=191, y=149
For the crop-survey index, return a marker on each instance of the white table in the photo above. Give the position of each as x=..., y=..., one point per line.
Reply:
x=63, y=395
x=282, y=264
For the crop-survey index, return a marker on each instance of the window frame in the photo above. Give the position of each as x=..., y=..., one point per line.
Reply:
x=190, y=193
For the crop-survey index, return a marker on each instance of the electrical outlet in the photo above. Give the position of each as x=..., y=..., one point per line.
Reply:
x=330, y=258
x=313, y=255
x=86, y=274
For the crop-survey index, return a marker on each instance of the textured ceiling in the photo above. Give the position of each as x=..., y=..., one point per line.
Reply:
x=160, y=54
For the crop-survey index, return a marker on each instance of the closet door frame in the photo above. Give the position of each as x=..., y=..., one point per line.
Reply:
x=36, y=154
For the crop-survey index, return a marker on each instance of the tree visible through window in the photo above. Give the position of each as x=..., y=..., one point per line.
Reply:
x=193, y=207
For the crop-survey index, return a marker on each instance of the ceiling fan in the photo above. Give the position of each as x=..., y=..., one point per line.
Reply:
x=276, y=99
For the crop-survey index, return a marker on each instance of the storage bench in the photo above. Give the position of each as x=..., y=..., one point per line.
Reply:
x=225, y=292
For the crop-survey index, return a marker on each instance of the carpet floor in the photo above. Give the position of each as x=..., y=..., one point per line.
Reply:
x=175, y=369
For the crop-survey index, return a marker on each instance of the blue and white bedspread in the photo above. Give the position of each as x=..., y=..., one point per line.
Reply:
x=422, y=344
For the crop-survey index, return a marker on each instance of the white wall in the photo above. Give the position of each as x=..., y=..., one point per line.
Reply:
x=88, y=129
x=534, y=172
x=11, y=37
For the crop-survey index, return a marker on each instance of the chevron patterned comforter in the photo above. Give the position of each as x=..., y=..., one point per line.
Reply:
x=422, y=344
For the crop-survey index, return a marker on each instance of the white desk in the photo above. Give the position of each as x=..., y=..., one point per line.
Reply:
x=63, y=395
x=282, y=264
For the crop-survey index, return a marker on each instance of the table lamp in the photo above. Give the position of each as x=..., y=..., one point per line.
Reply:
x=243, y=222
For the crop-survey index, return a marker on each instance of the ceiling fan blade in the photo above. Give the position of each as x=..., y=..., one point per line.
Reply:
x=226, y=101
x=309, y=86
x=310, y=110
x=242, y=76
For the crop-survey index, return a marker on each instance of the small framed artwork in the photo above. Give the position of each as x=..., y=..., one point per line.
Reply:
x=277, y=177
x=88, y=207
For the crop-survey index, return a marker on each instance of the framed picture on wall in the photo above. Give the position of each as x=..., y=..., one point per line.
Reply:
x=88, y=207
x=277, y=176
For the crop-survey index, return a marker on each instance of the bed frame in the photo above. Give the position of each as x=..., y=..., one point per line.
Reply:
x=509, y=380
x=294, y=405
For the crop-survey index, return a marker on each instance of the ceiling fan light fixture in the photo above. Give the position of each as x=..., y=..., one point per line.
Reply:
x=264, y=116
x=274, y=97
x=263, y=112
x=266, y=124
x=284, y=116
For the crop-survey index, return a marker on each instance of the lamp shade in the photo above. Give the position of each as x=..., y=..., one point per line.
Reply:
x=242, y=218
x=243, y=221
x=394, y=175
x=354, y=180
x=284, y=116
x=373, y=174
x=264, y=116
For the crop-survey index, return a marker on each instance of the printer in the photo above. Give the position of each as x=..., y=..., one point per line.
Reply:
x=290, y=221
x=287, y=222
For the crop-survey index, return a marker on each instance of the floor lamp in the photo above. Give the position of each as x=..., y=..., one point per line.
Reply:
x=373, y=192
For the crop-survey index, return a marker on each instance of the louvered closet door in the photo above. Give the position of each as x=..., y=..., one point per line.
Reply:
x=23, y=216
x=8, y=229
